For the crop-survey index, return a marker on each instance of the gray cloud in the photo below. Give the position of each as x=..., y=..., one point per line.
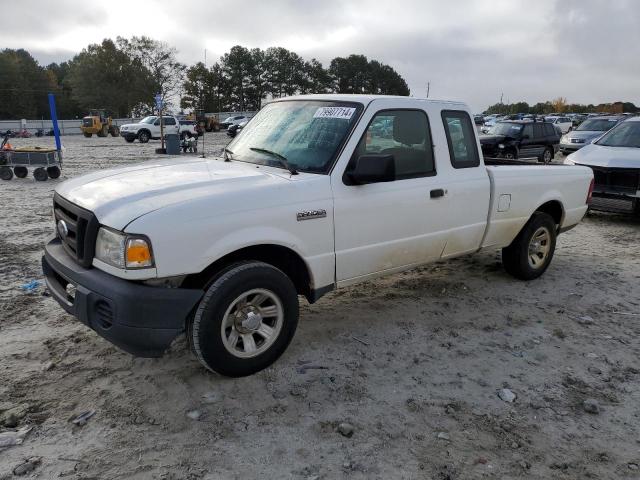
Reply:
x=585, y=50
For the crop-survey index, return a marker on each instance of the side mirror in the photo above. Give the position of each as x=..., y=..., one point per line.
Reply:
x=373, y=169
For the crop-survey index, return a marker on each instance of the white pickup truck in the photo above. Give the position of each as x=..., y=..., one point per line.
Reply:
x=149, y=128
x=318, y=192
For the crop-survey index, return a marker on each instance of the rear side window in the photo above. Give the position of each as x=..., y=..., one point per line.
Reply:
x=169, y=121
x=538, y=131
x=549, y=130
x=461, y=138
x=405, y=135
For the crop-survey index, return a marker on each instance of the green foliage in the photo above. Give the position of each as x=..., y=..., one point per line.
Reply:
x=124, y=75
x=554, y=106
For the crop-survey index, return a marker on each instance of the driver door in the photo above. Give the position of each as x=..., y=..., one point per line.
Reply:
x=391, y=225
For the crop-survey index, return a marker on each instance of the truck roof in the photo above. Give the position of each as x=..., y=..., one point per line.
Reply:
x=366, y=99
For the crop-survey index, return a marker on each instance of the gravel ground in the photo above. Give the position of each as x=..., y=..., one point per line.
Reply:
x=414, y=370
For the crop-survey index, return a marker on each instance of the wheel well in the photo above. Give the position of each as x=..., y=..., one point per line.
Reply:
x=280, y=257
x=143, y=130
x=554, y=209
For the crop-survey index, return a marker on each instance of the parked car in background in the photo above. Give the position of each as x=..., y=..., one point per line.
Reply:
x=578, y=119
x=518, y=138
x=615, y=161
x=148, y=128
x=563, y=123
x=188, y=129
x=236, y=128
x=587, y=131
x=488, y=124
x=231, y=120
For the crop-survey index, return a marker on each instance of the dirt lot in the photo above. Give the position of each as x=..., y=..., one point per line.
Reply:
x=413, y=363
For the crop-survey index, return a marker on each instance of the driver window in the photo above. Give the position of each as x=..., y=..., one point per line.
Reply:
x=405, y=135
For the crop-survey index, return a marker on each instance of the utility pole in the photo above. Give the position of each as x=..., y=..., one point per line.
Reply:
x=205, y=57
x=501, y=95
x=428, y=88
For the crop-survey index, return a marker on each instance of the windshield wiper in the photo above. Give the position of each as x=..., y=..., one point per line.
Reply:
x=283, y=160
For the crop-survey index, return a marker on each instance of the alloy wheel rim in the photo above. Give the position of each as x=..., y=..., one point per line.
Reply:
x=539, y=248
x=252, y=323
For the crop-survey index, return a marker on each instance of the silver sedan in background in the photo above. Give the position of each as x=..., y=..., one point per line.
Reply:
x=584, y=133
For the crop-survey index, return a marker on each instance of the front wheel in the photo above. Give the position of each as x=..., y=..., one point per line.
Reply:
x=144, y=136
x=245, y=320
x=87, y=135
x=530, y=254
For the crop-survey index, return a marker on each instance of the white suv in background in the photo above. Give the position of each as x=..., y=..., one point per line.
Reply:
x=148, y=128
x=563, y=123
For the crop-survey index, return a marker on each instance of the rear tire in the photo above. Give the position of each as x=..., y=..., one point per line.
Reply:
x=530, y=254
x=20, y=172
x=546, y=156
x=115, y=131
x=245, y=320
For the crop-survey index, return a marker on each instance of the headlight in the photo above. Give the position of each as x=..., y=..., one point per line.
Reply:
x=564, y=139
x=501, y=145
x=122, y=250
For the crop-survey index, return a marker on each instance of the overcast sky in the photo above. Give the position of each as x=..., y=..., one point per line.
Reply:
x=585, y=50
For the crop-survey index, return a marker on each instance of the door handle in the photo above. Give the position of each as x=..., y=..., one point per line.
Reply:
x=438, y=192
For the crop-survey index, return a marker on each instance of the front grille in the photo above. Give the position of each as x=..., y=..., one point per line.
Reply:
x=622, y=180
x=82, y=229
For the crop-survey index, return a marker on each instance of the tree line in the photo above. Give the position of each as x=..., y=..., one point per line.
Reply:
x=560, y=105
x=124, y=75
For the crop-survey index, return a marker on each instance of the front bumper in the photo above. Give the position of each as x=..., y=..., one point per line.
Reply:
x=128, y=134
x=571, y=147
x=139, y=319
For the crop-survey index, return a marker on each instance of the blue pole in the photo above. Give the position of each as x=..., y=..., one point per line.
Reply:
x=54, y=120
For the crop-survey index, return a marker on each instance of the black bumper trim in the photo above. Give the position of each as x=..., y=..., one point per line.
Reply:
x=139, y=319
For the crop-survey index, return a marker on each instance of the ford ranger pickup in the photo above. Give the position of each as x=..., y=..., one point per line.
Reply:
x=316, y=193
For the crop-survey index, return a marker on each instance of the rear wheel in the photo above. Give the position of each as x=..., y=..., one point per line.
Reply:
x=546, y=156
x=115, y=131
x=40, y=174
x=245, y=320
x=20, y=172
x=530, y=254
x=6, y=173
x=104, y=131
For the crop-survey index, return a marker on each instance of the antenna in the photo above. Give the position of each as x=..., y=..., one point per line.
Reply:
x=428, y=88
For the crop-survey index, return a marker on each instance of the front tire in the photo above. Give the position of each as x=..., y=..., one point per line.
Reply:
x=144, y=136
x=530, y=254
x=87, y=135
x=245, y=320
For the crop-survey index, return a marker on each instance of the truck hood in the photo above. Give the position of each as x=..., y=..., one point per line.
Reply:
x=119, y=196
x=613, y=157
x=492, y=139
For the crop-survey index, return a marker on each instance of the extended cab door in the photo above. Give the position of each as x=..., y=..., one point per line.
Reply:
x=389, y=225
x=467, y=185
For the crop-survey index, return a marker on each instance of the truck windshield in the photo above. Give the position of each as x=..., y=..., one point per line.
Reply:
x=596, y=125
x=506, y=129
x=308, y=133
x=626, y=134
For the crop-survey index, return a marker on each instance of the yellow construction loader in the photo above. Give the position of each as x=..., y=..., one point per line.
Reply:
x=100, y=123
